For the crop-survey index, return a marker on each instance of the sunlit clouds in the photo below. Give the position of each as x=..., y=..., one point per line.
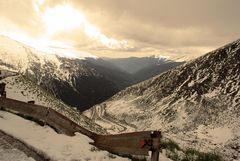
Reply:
x=62, y=18
x=113, y=28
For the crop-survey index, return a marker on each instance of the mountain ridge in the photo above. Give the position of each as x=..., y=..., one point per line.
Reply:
x=78, y=82
x=191, y=103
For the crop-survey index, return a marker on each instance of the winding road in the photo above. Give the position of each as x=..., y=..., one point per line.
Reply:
x=99, y=113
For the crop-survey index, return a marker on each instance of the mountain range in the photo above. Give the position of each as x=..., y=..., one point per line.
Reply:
x=196, y=104
x=79, y=82
x=143, y=68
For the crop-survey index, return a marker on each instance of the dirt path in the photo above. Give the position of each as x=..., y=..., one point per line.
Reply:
x=9, y=142
x=100, y=113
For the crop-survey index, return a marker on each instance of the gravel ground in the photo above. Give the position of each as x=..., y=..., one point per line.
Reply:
x=14, y=149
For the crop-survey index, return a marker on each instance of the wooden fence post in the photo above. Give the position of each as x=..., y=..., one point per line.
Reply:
x=156, y=138
x=155, y=155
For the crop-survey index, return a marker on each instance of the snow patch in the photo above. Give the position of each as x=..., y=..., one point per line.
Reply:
x=216, y=135
x=56, y=146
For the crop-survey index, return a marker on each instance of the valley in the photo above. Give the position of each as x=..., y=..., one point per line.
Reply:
x=81, y=82
x=191, y=104
x=119, y=80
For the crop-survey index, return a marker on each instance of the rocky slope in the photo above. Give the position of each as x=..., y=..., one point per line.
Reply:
x=196, y=104
x=78, y=82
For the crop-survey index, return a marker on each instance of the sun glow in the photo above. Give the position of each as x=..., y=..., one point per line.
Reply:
x=65, y=18
x=62, y=18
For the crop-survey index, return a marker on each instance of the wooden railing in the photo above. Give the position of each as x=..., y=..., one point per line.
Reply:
x=136, y=143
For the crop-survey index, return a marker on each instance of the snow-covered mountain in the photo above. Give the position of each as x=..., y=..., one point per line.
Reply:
x=43, y=140
x=78, y=82
x=143, y=68
x=196, y=104
x=20, y=88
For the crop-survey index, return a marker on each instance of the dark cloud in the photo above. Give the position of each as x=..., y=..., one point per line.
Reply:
x=215, y=19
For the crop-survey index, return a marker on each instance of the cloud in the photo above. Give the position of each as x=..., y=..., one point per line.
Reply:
x=22, y=15
x=173, y=27
x=170, y=24
x=216, y=18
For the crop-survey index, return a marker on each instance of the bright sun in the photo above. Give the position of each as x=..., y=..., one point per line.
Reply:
x=62, y=18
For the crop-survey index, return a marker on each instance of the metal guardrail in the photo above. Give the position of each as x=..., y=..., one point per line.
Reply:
x=135, y=143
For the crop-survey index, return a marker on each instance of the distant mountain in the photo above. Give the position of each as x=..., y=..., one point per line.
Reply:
x=143, y=68
x=134, y=64
x=78, y=82
x=154, y=70
x=196, y=104
x=121, y=78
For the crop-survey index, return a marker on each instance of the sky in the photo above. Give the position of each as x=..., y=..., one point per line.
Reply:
x=122, y=28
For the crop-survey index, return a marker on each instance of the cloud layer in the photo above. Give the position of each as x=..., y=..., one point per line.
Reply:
x=186, y=28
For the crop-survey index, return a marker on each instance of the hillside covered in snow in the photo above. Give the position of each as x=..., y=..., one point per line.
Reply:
x=196, y=104
x=79, y=82
x=20, y=88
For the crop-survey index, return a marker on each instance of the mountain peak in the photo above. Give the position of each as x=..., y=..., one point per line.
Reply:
x=63, y=51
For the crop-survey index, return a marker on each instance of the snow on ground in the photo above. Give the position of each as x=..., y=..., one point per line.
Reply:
x=19, y=93
x=19, y=89
x=57, y=146
x=216, y=135
x=221, y=134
